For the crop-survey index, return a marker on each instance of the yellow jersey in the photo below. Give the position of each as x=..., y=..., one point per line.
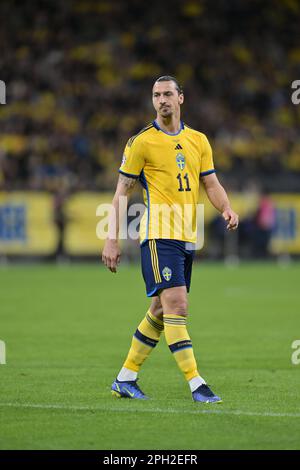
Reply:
x=169, y=167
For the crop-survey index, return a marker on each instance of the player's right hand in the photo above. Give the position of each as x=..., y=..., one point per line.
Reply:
x=111, y=255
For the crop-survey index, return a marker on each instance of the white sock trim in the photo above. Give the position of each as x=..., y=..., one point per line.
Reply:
x=126, y=375
x=195, y=382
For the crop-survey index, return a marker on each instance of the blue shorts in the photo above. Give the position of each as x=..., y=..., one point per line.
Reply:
x=166, y=263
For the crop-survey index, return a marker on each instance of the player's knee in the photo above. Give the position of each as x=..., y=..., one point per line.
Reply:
x=156, y=308
x=180, y=308
x=177, y=305
x=174, y=301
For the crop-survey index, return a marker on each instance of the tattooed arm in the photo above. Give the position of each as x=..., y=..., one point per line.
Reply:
x=111, y=252
x=125, y=181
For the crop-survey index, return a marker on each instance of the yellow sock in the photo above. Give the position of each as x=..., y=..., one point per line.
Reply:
x=144, y=340
x=180, y=344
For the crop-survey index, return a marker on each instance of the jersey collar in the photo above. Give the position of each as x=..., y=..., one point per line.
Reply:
x=168, y=133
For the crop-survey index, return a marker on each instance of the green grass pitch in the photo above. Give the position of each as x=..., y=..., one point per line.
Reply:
x=67, y=330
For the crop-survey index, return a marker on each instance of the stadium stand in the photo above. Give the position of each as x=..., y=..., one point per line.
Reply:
x=78, y=77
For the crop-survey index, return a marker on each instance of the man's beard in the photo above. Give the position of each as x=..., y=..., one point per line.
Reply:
x=166, y=112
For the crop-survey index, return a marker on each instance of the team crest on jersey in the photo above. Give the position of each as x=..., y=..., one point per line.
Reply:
x=123, y=160
x=167, y=273
x=180, y=160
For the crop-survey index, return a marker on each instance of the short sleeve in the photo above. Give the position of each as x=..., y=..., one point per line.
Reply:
x=207, y=164
x=133, y=160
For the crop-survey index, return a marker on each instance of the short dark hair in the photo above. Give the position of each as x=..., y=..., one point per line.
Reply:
x=169, y=78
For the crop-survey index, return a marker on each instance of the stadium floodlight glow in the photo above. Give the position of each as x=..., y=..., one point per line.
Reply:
x=2, y=352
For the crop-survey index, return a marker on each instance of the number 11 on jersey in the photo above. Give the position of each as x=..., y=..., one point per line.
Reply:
x=187, y=183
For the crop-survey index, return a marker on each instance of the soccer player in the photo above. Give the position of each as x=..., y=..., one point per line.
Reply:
x=168, y=158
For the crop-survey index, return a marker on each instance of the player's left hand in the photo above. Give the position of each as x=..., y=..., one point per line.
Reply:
x=232, y=218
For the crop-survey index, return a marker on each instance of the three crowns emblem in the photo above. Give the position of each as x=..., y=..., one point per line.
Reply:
x=167, y=273
x=180, y=160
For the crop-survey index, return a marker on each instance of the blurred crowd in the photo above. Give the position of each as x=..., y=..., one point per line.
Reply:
x=253, y=238
x=79, y=77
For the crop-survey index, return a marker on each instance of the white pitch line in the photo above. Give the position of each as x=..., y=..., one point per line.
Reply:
x=149, y=410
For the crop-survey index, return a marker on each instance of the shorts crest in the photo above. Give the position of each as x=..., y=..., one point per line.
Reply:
x=167, y=273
